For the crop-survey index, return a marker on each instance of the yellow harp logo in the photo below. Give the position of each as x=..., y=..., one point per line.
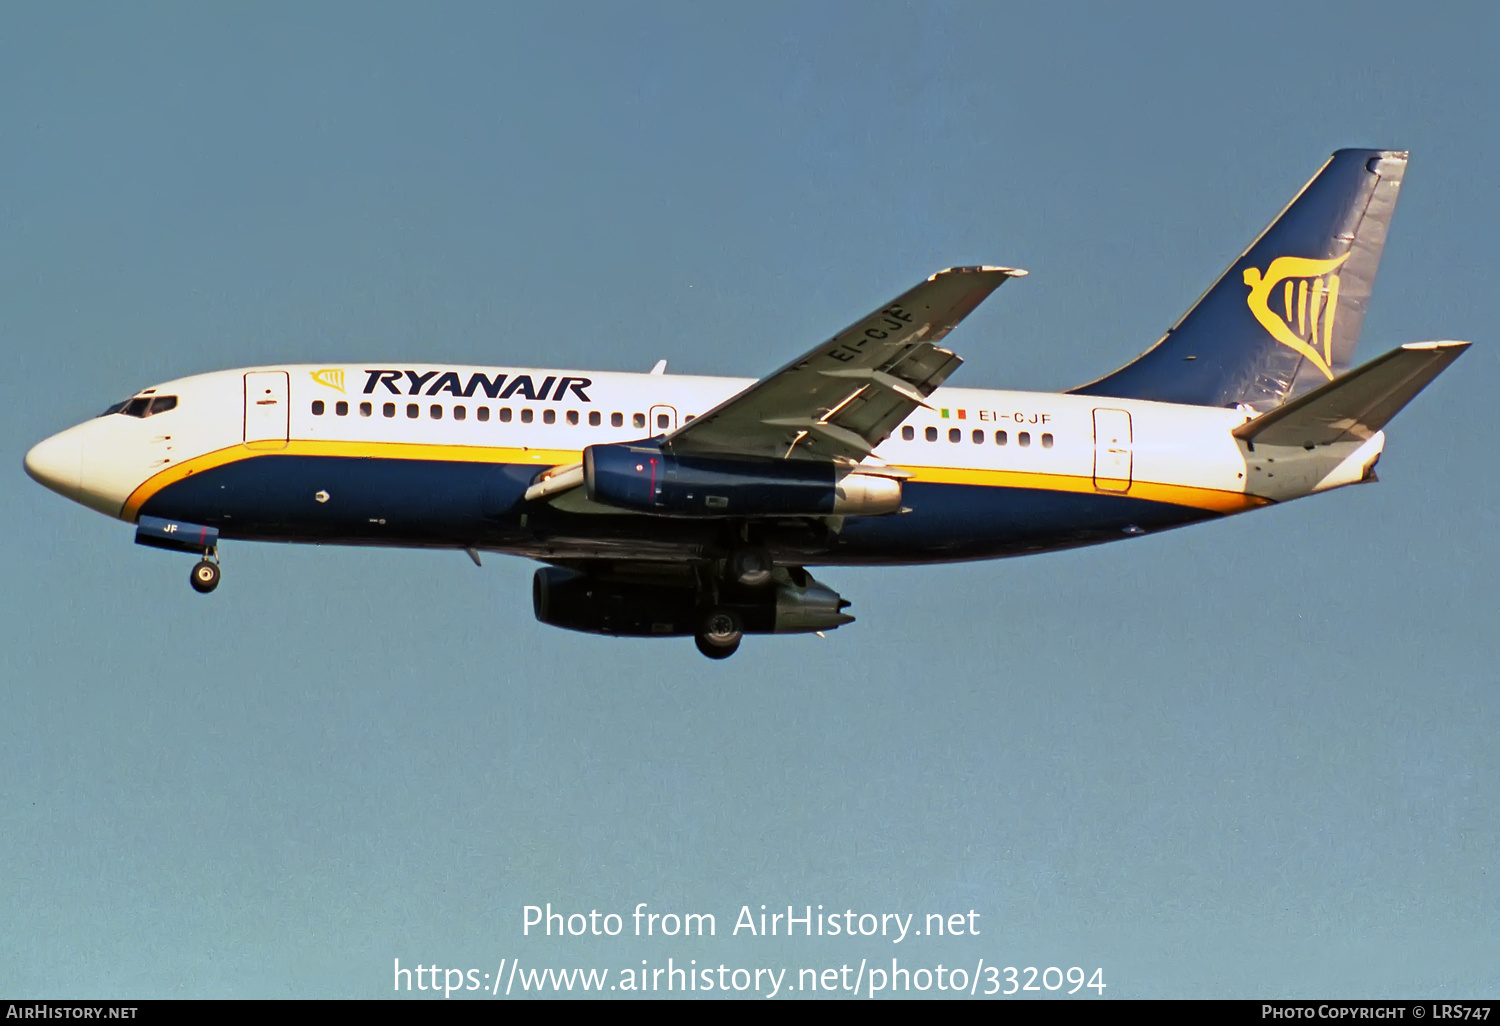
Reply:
x=331, y=378
x=1300, y=313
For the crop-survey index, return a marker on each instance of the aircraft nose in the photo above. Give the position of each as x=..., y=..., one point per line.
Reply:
x=57, y=462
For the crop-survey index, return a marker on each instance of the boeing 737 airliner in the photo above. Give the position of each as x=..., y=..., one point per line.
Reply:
x=666, y=505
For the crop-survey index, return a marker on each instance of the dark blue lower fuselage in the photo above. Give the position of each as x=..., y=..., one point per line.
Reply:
x=437, y=503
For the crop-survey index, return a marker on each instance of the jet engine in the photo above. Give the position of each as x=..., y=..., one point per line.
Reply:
x=596, y=605
x=644, y=478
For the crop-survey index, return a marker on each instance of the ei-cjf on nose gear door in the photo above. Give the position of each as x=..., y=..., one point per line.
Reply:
x=267, y=410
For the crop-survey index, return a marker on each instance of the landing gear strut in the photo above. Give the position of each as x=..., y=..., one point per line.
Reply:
x=205, y=576
x=720, y=635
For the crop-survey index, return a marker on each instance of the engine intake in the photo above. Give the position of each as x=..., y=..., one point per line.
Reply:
x=643, y=478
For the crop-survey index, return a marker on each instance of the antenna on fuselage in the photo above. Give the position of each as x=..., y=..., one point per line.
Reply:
x=660, y=367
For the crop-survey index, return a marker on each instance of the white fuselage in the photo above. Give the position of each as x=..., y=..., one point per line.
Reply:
x=1159, y=453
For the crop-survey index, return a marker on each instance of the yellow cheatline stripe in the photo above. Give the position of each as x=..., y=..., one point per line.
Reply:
x=1180, y=495
x=358, y=450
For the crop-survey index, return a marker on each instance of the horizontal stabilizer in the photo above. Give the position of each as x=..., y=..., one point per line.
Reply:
x=1356, y=405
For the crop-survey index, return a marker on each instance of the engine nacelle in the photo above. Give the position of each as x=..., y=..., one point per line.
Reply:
x=643, y=478
x=580, y=602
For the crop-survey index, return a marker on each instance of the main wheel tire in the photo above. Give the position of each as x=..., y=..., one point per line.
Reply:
x=721, y=627
x=751, y=567
x=715, y=651
x=205, y=577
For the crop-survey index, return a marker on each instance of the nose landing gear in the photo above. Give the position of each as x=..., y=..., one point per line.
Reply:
x=180, y=536
x=205, y=577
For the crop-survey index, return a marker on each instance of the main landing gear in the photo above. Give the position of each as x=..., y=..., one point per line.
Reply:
x=205, y=576
x=751, y=567
x=747, y=569
x=719, y=635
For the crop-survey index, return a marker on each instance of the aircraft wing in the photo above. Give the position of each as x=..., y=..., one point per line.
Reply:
x=845, y=397
x=1355, y=405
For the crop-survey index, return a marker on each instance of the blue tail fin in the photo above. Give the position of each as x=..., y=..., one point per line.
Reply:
x=1285, y=317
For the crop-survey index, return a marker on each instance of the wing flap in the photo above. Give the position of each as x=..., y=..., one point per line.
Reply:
x=1354, y=406
x=887, y=381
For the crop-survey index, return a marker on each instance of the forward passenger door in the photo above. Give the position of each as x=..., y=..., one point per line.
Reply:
x=267, y=410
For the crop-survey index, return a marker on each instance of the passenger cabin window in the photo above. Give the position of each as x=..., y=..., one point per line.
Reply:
x=639, y=420
x=365, y=409
x=1023, y=438
x=595, y=418
x=954, y=434
x=505, y=414
x=413, y=411
x=978, y=436
x=388, y=410
x=459, y=413
x=572, y=416
x=341, y=408
x=436, y=411
x=1047, y=441
x=908, y=433
x=1001, y=438
x=617, y=420
x=931, y=434
x=526, y=415
x=483, y=413
x=317, y=407
x=549, y=416
x=662, y=420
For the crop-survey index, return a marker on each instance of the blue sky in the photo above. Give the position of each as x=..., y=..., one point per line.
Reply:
x=1252, y=758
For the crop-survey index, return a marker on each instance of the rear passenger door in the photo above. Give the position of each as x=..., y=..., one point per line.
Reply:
x=1113, y=451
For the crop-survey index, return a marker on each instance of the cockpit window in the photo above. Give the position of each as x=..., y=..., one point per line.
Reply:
x=142, y=406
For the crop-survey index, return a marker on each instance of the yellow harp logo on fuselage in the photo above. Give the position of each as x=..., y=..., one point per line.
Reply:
x=1304, y=305
x=331, y=378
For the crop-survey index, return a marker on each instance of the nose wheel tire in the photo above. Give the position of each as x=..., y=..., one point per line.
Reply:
x=205, y=577
x=720, y=634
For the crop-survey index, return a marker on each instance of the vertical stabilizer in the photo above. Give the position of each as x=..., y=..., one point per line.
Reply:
x=1285, y=317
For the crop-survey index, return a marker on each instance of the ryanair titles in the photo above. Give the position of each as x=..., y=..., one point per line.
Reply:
x=501, y=386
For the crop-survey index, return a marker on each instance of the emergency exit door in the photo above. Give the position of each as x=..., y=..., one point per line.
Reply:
x=267, y=410
x=663, y=419
x=1113, y=452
